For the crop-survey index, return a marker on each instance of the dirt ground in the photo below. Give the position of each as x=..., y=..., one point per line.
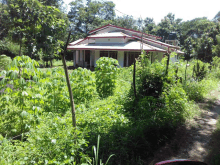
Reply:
x=195, y=140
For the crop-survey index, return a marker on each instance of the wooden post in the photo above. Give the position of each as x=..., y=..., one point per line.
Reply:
x=185, y=70
x=168, y=61
x=68, y=83
x=83, y=57
x=135, y=94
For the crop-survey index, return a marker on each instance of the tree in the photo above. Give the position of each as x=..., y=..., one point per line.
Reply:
x=39, y=28
x=126, y=22
x=188, y=48
x=149, y=25
x=84, y=18
x=3, y=21
x=53, y=27
x=55, y=3
x=216, y=48
x=167, y=25
x=23, y=17
x=217, y=17
x=204, y=47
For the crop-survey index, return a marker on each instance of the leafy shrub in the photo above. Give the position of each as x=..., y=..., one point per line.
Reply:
x=150, y=78
x=4, y=62
x=9, y=48
x=216, y=62
x=53, y=141
x=200, y=70
x=106, y=74
x=197, y=90
x=83, y=85
x=176, y=102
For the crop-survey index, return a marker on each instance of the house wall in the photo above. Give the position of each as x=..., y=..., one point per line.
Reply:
x=97, y=55
x=157, y=56
x=160, y=56
x=121, y=58
x=174, y=59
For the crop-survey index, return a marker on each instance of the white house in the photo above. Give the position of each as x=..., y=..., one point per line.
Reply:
x=120, y=43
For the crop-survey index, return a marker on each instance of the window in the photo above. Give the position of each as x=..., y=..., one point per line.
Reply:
x=112, y=54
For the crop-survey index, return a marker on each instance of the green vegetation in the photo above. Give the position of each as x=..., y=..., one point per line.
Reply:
x=36, y=126
x=40, y=33
x=35, y=117
x=106, y=74
x=4, y=62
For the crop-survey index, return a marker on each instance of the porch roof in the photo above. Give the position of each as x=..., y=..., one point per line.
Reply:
x=179, y=52
x=129, y=46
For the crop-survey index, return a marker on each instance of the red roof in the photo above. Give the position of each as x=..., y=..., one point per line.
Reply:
x=109, y=25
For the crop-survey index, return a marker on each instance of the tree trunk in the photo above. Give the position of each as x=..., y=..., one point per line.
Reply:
x=68, y=83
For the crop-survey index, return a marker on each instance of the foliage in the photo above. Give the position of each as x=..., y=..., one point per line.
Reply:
x=199, y=71
x=35, y=27
x=9, y=48
x=106, y=74
x=53, y=141
x=35, y=122
x=83, y=85
x=150, y=77
x=85, y=17
x=188, y=48
x=216, y=62
x=96, y=154
x=4, y=62
x=36, y=111
x=216, y=48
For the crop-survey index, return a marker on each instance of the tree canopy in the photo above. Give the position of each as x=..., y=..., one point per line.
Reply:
x=40, y=26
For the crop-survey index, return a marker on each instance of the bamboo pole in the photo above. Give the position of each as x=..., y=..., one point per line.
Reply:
x=68, y=83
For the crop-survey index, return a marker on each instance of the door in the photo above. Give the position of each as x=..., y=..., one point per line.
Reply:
x=87, y=58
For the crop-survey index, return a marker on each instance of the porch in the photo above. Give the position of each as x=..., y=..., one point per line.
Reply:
x=88, y=58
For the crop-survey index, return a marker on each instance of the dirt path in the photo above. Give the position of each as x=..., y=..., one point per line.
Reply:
x=192, y=141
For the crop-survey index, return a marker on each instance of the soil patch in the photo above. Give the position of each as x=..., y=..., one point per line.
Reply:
x=196, y=140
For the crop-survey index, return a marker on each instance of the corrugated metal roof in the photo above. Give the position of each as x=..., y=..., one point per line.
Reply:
x=75, y=42
x=156, y=42
x=129, y=46
x=112, y=34
x=179, y=52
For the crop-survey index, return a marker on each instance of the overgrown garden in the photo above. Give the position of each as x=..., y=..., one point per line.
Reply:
x=35, y=123
x=135, y=111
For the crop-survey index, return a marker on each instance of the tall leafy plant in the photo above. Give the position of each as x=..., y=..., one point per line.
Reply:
x=106, y=74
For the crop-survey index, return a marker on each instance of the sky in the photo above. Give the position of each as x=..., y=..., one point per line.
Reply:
x=157, y=9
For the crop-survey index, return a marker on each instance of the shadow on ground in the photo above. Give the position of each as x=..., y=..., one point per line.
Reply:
x=200, y=140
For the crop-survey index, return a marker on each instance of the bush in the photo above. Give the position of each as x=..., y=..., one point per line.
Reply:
x=9, y=48
x=197, y=90
x=53, y=141
x=83, y=85
x=176, y=102
x=150, y=78
x=4, y=62
x=106, y=74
